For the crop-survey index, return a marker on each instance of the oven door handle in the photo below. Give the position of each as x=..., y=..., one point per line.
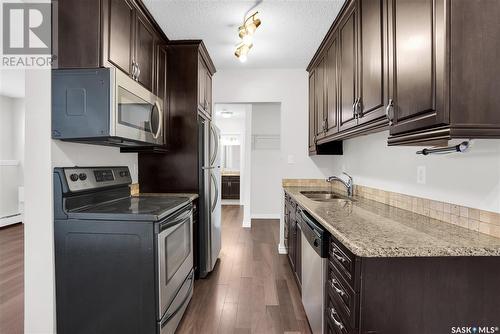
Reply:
x=177, y=220
x=169, y=316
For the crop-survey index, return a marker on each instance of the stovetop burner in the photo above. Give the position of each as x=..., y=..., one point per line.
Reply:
x=141, y=207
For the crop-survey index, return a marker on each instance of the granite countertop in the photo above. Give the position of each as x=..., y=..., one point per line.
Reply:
x=373, y=229
x=191, y=197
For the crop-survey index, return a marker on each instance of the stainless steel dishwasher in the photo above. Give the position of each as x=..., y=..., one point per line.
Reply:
x=314, y=270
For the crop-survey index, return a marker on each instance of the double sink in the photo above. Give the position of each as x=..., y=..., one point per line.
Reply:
x=325, y=196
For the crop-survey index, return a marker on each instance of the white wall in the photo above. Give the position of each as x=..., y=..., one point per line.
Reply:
x=11, y=156
x=471, y=179
x=39, y=298
x=266, y=163
x=66, y=154
x=286, y=86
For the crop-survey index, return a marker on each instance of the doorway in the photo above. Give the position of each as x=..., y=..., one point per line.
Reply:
x=251, y=157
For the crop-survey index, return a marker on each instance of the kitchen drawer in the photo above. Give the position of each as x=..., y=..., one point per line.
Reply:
x=344, y=261
x=334, y=322
x=344, y=296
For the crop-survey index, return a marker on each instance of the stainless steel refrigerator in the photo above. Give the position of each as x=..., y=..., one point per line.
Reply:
x=210, y=195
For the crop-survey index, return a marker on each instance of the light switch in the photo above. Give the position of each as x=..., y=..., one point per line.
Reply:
x=421, y=174
x=291, y=159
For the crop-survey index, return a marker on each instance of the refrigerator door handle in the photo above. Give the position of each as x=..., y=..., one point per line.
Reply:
x=216, y=145
x=216, y=197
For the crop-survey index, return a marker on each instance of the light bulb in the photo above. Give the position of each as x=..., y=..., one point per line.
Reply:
x=243, y=58
x=247, y=40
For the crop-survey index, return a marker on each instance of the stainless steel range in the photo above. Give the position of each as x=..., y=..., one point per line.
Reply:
x=124, y=264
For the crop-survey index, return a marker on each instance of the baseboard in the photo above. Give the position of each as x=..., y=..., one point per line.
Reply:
x=14, y=219
x=266, y=216
x=246, y=224
x=282, y=249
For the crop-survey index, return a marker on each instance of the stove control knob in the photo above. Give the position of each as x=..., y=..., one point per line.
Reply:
x=82, y=176
x=73, y=177
x=123, y=174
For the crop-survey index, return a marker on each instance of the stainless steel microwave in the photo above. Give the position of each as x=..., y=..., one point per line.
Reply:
x=106, y=107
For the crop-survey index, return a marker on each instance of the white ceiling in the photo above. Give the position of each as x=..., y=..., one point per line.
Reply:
x=290, y=33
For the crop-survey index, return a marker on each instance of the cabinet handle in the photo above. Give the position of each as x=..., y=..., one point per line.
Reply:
x=354, y=108
x=334, y=284
x=337, y=323
x=389, y=111
x=134, y=70
x=338, y=257
x=138, y=72
x=359, y=111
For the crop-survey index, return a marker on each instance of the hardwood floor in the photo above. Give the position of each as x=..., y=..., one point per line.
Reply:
x=252, y=289
x=12, y=279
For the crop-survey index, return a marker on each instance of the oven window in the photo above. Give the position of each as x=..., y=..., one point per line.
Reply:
x=133, y=111
x=178, y=248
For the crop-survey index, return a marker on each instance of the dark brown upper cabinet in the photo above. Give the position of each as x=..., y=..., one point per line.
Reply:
x=332, y=94
x=426, y=68
x=347, y=69
x=312, y=113
x=119, y=33
x=204, y=87
x=453, y=54
x=417, y=65
x=321, y=100
x=145, y=42
x=372, y=57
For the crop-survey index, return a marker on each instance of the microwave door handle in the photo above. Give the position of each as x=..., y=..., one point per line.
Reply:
x=160, y=121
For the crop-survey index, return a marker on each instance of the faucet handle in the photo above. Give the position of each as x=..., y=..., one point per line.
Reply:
x=349, y=176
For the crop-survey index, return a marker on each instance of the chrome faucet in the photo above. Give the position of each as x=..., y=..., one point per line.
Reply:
x=348, y=184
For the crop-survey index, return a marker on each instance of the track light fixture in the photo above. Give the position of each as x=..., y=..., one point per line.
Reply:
x=245, y=32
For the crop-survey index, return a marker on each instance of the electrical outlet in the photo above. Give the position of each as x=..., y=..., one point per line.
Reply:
x=421, y=174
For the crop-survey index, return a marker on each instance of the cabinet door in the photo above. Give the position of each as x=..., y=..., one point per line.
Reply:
x=202, y=82
x=347, y=69
x=417, y=65
x=235, y=189
x=292, y=237
x=226, y=188
x=319, y=87
x=298, y=254
x=120, y=31
x=144, y=50
x=332, y=89
x=161, y=89
x=208, y=92
x=372, y=69
x=312, y=113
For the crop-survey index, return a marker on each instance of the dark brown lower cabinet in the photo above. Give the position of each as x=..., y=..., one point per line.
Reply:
x=409, y=295
x=401, y=295
x=293, y=238
x=230, y=187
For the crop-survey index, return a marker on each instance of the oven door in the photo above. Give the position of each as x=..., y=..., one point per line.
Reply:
x=138, y=114
x=175, y=256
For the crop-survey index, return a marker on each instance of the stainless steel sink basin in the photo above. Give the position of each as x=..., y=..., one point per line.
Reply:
x=323, y=196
